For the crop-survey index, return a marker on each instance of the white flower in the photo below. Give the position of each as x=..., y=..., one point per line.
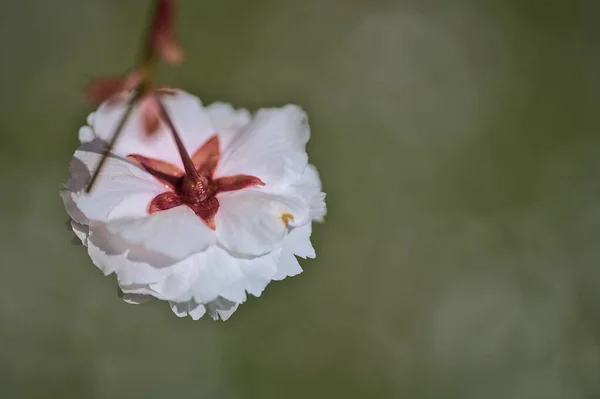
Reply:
x=201, y=245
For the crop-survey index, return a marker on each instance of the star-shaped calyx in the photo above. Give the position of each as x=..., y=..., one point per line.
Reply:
x=198, y=188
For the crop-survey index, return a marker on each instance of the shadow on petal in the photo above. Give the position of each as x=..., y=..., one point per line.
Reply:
x=112, y=244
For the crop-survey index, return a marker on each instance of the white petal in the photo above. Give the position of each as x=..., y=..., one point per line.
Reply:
x=90, y=118
x=229, y=277
x=137, y=299
x=288, y=266
x=181, y=278
x=271, y=148
x=133, y=265
x=71, y=207
x=176, y=232
x=180, y=309
x=119, y=181
x=225, y=314
x=216, y=274
x=186, y=112
x=82, y=231
x=309, y=187
x=227, y=121
x=235, y=292
x=252, y=221
x=298, y=242
x=86, y=134
x=197, y=312
x=258, y=272
x=191, y=308
x=218, y=308
x=221, y=308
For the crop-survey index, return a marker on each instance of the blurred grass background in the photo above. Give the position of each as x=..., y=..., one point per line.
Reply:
x=457, y=141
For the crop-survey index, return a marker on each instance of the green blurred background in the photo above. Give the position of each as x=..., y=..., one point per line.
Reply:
x=458, y=142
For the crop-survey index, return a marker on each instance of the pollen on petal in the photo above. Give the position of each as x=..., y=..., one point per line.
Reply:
x=286, y=218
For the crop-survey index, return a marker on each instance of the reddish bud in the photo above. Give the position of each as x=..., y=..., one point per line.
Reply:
x=102, y=89
x=150, y=114
x=163, y=35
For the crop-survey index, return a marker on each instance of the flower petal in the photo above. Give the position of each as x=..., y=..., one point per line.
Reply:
x=255, y=222
x=271, y=148
x=82, y=231
x=197, y=312
x=215, y=275
x=181, y=309
x=309, y=187
x=133, y=265
x=181, y=278
x=259, y=271
x=176, y=232
x=86, y=134
x=288, y=266
x=227, y=121
x=186, y=112
x=218, y=308
x=119, y=181
x=136, y=299
x=298, y=242
x=221, y=308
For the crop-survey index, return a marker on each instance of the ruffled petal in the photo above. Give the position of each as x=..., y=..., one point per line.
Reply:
x=255, y=222
x=298, y=242
x=201, y=278
x=288, y=266
x=197, y=312
x=218, y=272
x=176, y=232
x=309, y=187
x=181, y=309
x=221, y=308
x=136, y=268
x=259, y=271
x=181, y=278
x=82, y=231
x=136, y=299
x=218, y=308
x=271, y=148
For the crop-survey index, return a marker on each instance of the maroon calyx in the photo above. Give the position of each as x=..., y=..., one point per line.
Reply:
x=197, y=192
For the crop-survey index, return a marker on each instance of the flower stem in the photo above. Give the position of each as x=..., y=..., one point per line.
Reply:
x=147, y=66
x=190, y=169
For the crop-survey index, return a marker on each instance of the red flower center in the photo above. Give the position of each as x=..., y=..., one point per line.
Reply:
x=199, y=195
